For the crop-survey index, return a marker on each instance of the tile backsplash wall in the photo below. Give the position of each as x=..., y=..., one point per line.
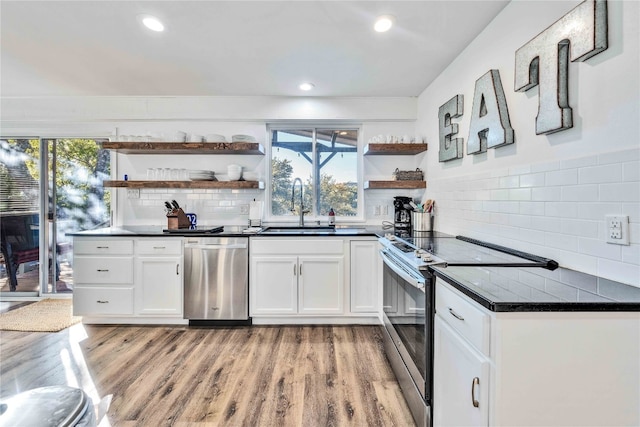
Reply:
x=212, y=206
x=553, y=209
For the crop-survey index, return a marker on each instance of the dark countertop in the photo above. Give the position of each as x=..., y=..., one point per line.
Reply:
x=502, y=289
x=229, y=231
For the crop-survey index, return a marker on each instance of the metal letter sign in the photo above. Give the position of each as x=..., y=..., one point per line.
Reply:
x=450, y=149
x=544, y=61
x=490, y=126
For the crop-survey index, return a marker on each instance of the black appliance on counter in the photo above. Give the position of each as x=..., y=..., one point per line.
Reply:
x=402, y=216
x=409, y=302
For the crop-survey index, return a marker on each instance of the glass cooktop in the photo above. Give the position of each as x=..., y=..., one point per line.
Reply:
x=464, y=251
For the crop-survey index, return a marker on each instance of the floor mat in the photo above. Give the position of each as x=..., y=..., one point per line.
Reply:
x=48, y=315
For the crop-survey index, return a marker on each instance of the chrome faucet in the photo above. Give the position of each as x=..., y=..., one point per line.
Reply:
x=293, y=192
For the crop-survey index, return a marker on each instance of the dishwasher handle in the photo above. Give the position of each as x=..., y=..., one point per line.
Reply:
x=213, y=247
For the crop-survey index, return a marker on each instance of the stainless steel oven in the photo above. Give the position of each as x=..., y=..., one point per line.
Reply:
x=408, y=301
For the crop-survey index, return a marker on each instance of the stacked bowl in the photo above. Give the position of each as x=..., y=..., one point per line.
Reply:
x=234, y=172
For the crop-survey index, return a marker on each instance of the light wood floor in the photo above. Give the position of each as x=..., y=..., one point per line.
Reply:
x=246, y=376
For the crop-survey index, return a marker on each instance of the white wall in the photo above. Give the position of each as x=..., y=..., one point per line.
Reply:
x=546, y=194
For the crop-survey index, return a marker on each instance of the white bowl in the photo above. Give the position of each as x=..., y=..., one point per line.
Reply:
x=250, y=176
x=234, y=176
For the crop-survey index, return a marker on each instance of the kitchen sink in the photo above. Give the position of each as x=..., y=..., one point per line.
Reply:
x=302, y=230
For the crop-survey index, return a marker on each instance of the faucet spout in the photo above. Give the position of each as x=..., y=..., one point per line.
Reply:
x=293, y=192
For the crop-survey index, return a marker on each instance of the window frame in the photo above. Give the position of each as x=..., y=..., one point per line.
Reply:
x=314, y=126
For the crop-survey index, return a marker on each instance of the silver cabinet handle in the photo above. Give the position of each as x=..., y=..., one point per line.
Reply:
x=102, y=302
x=474, y=383
x=295, y=270
x=177, y=269
x=456, y=315
x=301, y=269
x=159, y=247
x=102, y=270
x=102, y=247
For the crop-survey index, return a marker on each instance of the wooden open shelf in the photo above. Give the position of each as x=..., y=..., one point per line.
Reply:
x=184, y=147
x=402, y=185
x=394, y=149
x=186, y=184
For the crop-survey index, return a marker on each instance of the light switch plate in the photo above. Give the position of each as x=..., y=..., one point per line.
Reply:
x=617, y=229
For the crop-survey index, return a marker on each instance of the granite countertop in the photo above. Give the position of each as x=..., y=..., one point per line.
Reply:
x=229, y=231
x=502, y=289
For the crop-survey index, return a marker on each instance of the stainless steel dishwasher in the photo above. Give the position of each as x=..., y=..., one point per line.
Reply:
x=216, y=279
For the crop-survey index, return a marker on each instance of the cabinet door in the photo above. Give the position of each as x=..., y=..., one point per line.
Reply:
x=321, y=285
x=461, y=376
x=365, y=275
x=273, y=285
x=158, y=286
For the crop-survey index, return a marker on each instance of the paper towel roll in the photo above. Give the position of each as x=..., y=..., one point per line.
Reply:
x=255, y=212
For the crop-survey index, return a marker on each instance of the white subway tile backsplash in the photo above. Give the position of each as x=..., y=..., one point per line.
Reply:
x=520, y=194
x=520, y=170
x=546, y=194
x=631, y=171
x=532, y=208
x=600, y=174
x=629, y=272
x=531, y=236
x=561, y=241
x=562, y=177
x=532, y=180
x=577, y=227
x=561, y=209
x=545, y=167
x=501, y=194
x=544, y=223
x=579, y=162
x=580, y=193
x=600, y=248
x=631, y=254
x=619, y=156
x=510, y=182
x=620, y=192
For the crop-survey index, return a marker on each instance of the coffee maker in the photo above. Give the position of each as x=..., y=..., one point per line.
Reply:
x=402, y=216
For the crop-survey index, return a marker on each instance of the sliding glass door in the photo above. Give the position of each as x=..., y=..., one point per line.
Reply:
x=44, y=202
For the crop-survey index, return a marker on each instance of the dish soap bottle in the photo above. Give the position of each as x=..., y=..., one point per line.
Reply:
x=332, y=217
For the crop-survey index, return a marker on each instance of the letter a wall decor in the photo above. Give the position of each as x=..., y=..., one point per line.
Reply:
x=490, y=126
x=450, y=148
x=544, y=61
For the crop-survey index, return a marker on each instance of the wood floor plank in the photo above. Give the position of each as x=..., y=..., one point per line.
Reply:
x=199, y=377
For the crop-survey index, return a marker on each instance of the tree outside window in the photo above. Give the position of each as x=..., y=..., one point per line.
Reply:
x=326, y=160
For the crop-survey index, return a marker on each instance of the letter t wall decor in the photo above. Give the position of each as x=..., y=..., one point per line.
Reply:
x=544, y=61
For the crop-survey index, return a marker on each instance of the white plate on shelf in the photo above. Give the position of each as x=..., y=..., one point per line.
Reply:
x=242, y=138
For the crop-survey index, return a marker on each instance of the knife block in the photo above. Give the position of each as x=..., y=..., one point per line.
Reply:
x=177, y=219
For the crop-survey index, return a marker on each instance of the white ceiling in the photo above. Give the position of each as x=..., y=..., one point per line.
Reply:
x=217, y=48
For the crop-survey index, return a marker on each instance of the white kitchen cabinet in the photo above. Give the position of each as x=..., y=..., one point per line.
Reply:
x=540, y=368
x=274, y=285
x=366, y=270
x=320, y=285
x=158, y=282
x=103, y=276
x=460, y=382
x=128, y=280
x=296, y=277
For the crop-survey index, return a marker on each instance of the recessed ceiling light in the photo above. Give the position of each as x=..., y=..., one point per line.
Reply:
x=384, y=23
x=306, y=86
x=151, y=22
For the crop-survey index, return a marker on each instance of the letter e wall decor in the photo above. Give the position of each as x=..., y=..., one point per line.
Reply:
x=450, y=148
x=544, y=61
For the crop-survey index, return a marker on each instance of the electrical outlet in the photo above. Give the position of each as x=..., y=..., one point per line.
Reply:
x=376, y=210
x=386, y=209
x=133, y=193
x=617, y=229
x=244, y=209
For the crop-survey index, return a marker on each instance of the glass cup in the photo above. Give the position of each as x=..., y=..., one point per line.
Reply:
x=151, y=174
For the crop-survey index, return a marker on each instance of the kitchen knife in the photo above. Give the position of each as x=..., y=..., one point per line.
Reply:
x=168, y=206
x=175, y=204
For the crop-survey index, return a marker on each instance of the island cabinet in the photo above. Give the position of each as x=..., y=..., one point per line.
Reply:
x=128, y=280
x=297, y=277
x=537, y=368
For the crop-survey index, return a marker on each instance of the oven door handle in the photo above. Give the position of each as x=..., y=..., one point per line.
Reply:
x=393, y=265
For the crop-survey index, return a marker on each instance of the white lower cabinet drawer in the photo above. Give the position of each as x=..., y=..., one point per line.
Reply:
x=159, y=247
x=103, y=270
x=103, y=246
x=102, y=301
x=459, y=313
